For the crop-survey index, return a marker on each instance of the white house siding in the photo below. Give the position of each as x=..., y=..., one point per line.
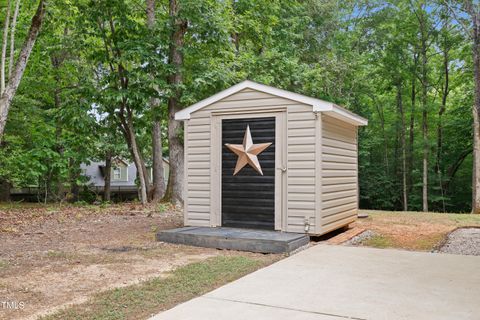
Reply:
x=300, y=156
x=339, y=173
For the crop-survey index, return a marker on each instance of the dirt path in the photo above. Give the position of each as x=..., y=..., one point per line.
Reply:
x=50, y=258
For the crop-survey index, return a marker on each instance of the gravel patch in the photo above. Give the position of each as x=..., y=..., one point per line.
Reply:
x=462, y=241
x=357, y=240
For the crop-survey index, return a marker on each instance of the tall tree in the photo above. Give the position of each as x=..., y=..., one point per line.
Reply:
x=107, y=175
x=424, y=31
x=120, y=73
x=473, y=9
x=6, y=29
x=11, y=87
x=158, y=189
x=472, y=29
x=178, y=27
x=13, y=29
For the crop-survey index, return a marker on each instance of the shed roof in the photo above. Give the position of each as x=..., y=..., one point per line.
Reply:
x=318, y=105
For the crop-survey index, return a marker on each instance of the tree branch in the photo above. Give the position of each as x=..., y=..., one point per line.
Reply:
x=454, y=13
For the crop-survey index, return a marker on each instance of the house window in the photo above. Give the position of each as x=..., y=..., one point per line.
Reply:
x=119, y=174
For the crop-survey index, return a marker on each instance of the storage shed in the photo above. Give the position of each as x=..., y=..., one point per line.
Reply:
x=264, y=158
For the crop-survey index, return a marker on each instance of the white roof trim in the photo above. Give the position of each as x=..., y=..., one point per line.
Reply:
x=317, y=104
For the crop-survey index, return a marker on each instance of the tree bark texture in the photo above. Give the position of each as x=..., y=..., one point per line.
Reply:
x=6, y=28
x=19, y=69
x=158, y=188
x=424, y=81
x=476, y=116
x=13, y=29
x=174, y=191
x=124, y=114
x=108, y=176
x=401, y=113
x=4, y=190
x=129, y=132
x=473, y=10
x=411, y=130
x=443, y=107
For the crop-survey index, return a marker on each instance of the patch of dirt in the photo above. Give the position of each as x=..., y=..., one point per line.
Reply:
x=462, y=241
x=407, y=230
x=404, y=230
x=53, y=257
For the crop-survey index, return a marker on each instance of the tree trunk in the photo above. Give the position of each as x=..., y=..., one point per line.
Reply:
x=425, y=162
x=125, y=115
x=13, y=29
x=60, y=188
x=14, y=81
x=158, y=173
x=129, y=133
x=4, y=190
x=174, y=191
x=476, y=164
x=403, y=146
x=6, y=28
x=424, y=81
x=74, y=175
x=476, y=113
x=411, y=139
x=158, y=188
x=57, y=59
x=452, y=169
x=107, y=176
x=443, y=106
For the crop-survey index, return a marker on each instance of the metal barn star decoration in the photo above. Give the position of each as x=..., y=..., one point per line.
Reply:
x=247, y=152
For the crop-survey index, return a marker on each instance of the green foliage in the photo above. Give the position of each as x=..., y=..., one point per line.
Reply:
x=360, y=54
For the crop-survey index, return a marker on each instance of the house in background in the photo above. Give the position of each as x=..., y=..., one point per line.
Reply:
x=123, y=176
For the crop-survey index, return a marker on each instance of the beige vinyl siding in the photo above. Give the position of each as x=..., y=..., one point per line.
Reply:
x=320, y=183
x=339, y=173
x=300, y=158
x=197, y=171
x=300, y=168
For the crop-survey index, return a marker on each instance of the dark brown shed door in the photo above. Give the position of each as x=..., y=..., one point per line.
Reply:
x=248, y=198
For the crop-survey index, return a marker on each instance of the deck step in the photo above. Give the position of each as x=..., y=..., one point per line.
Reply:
x=262, y=241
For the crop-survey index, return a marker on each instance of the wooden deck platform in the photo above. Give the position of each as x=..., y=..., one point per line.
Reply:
x=262, y=241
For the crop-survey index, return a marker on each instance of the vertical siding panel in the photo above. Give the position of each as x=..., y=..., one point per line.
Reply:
x=318, y=173
x=301, y=169
x=197, y=173
x=307, y=137
x=185, y=170
x=339, y=174
x=215, y=172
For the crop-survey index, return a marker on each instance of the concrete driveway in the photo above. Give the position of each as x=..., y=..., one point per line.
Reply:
x=335, y=282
